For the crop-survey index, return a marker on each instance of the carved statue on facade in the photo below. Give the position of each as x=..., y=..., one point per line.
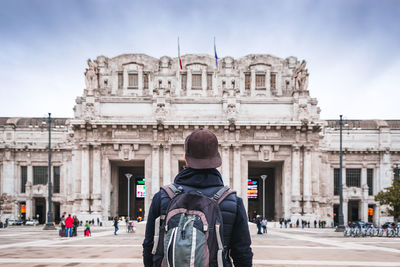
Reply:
x=231, y=112
x=160, y=113
x=300, y=76
x=91, y=75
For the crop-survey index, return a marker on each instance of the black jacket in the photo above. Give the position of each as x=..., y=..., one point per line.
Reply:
x=236, y=231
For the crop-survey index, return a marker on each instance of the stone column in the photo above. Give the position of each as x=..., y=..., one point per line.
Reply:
x=8, y=173
x=253, y=83
x=76, y=179
x=96, y=195
x=155, y=169
x=363, y=210
x=125, y=83
x=106, y=200
x=278, y=81
x=188, y=82
x=167, y=165
x=225, y=164
x=363, y=176
x=237, y=175
x=268, y=82
x=295, y=180
x=242, y=83
x=29, y=208
x=85, y=172
x=307, y=180
x=345, y=211
x=114, y=84
x=204, y=81
x=140, y=82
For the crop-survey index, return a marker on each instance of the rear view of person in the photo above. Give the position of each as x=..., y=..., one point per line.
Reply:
x=69, y=224
x=116, y=225
x=197, y=221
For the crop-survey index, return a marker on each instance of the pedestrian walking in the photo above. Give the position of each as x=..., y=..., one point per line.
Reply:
x=98, y=221
x=87, y=231
x=297, y=223
x=258, y=224
x=280, y=222
x=264, y=224
x=197, y=186
x=69, y=224
x=76, y=225
x=315, y=223
x=116, y=225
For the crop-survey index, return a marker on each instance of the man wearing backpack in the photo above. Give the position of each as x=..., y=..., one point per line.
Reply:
x=197, y=221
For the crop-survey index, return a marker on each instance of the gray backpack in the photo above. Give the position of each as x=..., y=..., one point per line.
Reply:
x=190, y=232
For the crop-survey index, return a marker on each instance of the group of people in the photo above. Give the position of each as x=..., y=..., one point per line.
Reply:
x=261, y=223
x=69, y=226
x=285, y=223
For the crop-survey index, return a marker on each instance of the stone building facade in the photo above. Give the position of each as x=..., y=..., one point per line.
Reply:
x=133, y=118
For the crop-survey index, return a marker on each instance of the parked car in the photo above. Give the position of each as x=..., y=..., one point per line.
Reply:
x=32, y=222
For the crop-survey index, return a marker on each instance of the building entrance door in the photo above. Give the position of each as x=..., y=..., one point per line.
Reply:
x=40, y=209
x=256, y=191
x=353, y=210
x=137, y=191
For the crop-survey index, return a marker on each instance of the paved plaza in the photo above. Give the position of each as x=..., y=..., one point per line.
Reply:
x=31, y=246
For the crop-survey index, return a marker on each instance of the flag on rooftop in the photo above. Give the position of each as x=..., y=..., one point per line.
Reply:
x=215, y=53
x=179, y=56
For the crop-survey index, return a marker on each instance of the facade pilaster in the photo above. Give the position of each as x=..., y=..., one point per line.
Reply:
x=96, y=179
x=155, y=169
x=225, y=165
x=307, y=180
x=140, y=82
x=28, y=187
x=253, y=83
x=237, y=177
x=345, y=211
x=125, y=83
x=167, y=165
x=204, y=81
x=189, y=82
x=295, y=180
x=85, y=172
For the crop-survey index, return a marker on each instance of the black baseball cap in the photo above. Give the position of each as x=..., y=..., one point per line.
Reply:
x=201, y=150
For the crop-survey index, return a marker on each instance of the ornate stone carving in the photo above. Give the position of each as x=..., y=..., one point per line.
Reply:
x=91, y=75
x=300, y=76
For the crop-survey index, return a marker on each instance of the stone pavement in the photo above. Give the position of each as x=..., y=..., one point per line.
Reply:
x=31, y=246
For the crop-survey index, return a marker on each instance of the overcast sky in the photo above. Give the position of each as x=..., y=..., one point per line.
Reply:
x=352, y=48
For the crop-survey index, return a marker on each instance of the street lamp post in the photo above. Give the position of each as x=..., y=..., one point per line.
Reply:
x=129, y=176
x=49, y=225
x=263, y=177
x=340, y=227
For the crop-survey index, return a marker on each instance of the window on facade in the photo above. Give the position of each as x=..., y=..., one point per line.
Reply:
x=370, y=181
x=183, y=81
x=273, y=80
x=145, y=81
x=336, y=181
x=196, y=81
x=133, y=80
x=40, y=175
x=56, y=183
x=260, y=81
x=353, y=177
x=24, y=178
x=120, y=80
x=209, y=81
x=247, y=81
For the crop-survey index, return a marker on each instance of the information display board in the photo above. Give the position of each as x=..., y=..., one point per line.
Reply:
x=252, y=188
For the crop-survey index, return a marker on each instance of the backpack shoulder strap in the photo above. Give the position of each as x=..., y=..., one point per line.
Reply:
x=222, y=194
x=172, y=190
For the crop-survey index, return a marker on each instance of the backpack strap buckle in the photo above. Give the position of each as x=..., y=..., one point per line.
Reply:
x=172, y=190
x=222, y=194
